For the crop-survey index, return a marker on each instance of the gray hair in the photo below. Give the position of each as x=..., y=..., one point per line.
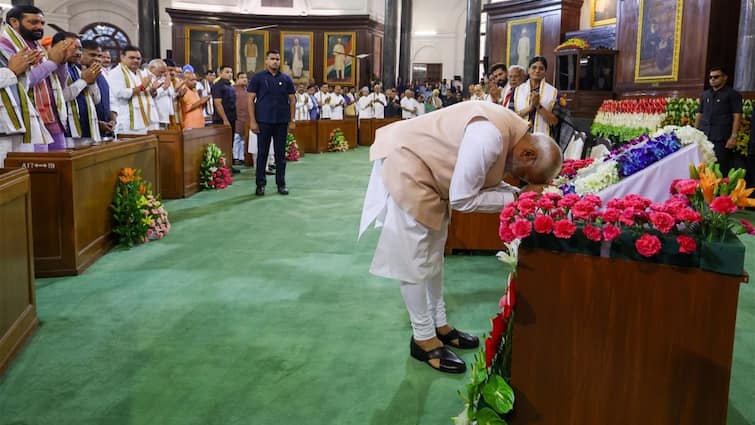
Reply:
x=549, y=158
x=154, y=63
x=519, y=67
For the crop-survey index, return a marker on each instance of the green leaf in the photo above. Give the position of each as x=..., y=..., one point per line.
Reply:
x=487, y=416
x=498, y=394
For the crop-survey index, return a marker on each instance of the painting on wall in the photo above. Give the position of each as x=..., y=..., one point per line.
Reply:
x=658, y=38
x=602, y=12
x=296, y=49
x=250, y=48
x=204, y=48
x=339, y=60
x=523, y=41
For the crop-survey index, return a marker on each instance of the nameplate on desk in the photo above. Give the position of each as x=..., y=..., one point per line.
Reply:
x=48, y=165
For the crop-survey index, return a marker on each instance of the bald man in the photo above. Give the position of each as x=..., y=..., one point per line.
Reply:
x=454, y=158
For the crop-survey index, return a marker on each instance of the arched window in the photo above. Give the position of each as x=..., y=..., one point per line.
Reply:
x=108, y=36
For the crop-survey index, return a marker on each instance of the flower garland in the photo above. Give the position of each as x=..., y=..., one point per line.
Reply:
x=138, y=215
x=213, y=172
x=573, y=43
x=292, y=148
x=337, y=141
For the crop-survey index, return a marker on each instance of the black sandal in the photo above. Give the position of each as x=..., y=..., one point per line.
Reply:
x=466, y=341
x=449, y=361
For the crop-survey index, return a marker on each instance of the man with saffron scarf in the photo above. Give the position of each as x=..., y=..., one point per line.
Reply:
x=130, y=94
x=23, y=30
x=83, y=95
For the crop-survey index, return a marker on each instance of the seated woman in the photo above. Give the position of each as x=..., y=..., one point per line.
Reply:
x=534, y=99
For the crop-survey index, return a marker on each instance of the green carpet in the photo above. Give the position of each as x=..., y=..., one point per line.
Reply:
x=261, y=311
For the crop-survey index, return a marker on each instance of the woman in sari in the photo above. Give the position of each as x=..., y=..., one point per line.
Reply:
x=534, y=99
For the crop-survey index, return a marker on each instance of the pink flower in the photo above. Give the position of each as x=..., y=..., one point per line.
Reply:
x=553, y=196
x=687, y=245
x=568, y=200
x=593, y=233
x=627, y=217
x=543, y=224
x=505, y=233
x=648, y=245
x=689, y=215
x=662, y=221
x=521, y=228
x=594, y=199
x=526, y=206
x=582, y=210
x=723, y=205
x=507, y=212
x=611, y=232
x=528, y=195
x=748, y=227
x=564, y=229
x=611, y=215
x=545, y=204
x=615, y=203
x=685, y=187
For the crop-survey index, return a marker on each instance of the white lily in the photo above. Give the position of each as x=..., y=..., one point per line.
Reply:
x=512, y=256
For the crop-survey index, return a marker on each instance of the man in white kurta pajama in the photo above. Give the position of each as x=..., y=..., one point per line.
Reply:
x=452, y=159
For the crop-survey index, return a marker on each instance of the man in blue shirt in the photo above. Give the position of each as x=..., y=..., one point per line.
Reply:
x=271, y=115
x=224, y=99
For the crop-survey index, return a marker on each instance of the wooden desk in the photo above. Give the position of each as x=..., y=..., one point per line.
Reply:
x=181, y=153
x=368, y=127
x=601, y=341
x=347, y=126
x=305, y=133
x=71, y=192
x=18, y=314
x=473, y=231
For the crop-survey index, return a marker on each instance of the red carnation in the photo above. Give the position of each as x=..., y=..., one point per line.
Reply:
x=528, y=195
x=662, y=221
x=583, y=209
x=723, y=205
x=545, y=204
x=594, y=199
x=689, y=215
x=593, y=233
x=748, y=226
x=526, y=206
x=611, y=215
x=611, y=232
x=553, y=196
x=615, y=203
x=508, y=212
x=543, y=224
x=564, y=229
x=685, y=187
x=505, y=233
x=687, y=245
x=568, y=200
x=521, y=228
x=648, y=245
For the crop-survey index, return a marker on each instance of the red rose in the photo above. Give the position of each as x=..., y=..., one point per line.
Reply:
x=611, y=215
x=564, y=229
x=648, y=245
x=521, y=228
x=593, y=233
x=505, y=233
x=687, y=245
x=723, y=205
x=611, y=232
x=662, y=221
x=685, y=187
x=543, y=224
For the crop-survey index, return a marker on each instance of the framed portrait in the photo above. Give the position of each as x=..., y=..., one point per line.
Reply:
x=602, y=12
x=250, y=48
x=658, y=37
x=296, y=50
x=523, y=41
x=339, y=60
x=204, y=47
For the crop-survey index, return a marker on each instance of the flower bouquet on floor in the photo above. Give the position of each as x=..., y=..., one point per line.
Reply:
x=337, y=141
x=138, y=215
x=292, y=148
x=214, y=172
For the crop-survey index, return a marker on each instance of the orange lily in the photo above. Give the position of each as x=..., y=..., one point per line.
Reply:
x=741, y=196
x=127, y=175
x=708, y=182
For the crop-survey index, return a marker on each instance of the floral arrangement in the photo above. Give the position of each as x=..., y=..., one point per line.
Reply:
x=572, y=44
x=681, y=111
x=213, y=172
x=627, y=119
x=489, y=396
x=292, y=148
x=570, y=167
x=138, y=215
x=743, y=136
x=337, y=141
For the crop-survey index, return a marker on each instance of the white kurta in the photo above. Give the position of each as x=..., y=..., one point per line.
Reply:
x=337, y=102
x=409, y=251
x=303, y=106
x=364, y=108
x=379, y=106
x=164, y=104
x=325, y=100
x=121, y=103
x=409, y=103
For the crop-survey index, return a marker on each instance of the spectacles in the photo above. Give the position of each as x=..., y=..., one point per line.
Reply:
x=715, y=77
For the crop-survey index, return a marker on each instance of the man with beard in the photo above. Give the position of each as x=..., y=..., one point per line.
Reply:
x=44, y=81
x=84, y=95
x=92, y=54
x=130, y=94
x=12, y=130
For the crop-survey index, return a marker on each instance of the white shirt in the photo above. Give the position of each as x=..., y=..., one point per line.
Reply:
x=411, y=104
x=303, y=106
x=336, y=110
x=120, y=102
x=164, y=103
x=365, y=109
x=379, y=106
x=324, y=100
x=7, y=79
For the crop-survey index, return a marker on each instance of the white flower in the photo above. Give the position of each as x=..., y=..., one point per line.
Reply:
x=554, y=189
x=463, y=418
x=512, y=256
x=689, y=135
x=606, y=175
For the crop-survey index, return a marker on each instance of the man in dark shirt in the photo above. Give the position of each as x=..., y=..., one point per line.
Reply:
x=393, y=106
x=224, y=98
x=719, y=117
x=271, y=115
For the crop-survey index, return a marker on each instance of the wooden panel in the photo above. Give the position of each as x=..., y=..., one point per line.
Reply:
x=585, y=104
x=305, y=133
x=366, y=132
x=194, y=143
x=71, y=193
x=18, y=316
x=170, y=149
x=473, y=231
x=382, y=123
x=366, y=30
x=600, y=341
x=347, y=126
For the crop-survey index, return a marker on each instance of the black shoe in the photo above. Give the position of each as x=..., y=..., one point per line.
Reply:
x=238, y=162
x=260, y=191
x=283, y=190
x=449, y=361
x=465, y=340
x=269, y=172
x=272, y=167
x=235, y=170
